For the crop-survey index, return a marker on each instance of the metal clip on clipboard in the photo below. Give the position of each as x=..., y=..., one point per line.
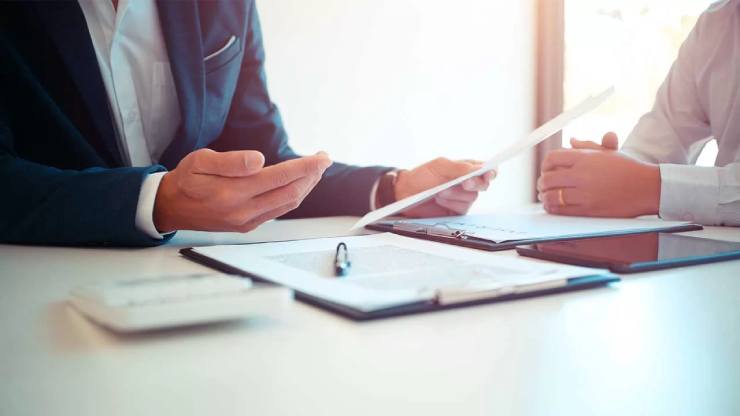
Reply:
x=448, y=296
x=436, y=230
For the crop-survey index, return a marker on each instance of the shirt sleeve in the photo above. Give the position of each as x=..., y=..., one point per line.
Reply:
x=707, y=195
x=145, y=206
x=673, y=134
x=677, y=127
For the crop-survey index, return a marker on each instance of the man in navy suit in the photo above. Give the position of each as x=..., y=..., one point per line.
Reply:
x=122, y=121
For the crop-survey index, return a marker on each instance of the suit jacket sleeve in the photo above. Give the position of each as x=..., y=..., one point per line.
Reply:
x=56, y=189
x=46, y=205
x=254, y=122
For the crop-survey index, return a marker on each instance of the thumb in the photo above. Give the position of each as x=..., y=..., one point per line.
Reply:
x=610, y=141
x=584, y=144
x=230, y=164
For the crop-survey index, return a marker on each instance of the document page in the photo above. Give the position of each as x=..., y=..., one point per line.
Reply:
x=387, y=269
x=535, y=137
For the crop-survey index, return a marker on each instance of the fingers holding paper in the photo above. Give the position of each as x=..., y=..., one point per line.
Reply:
x=410, y=203
x=456, y=200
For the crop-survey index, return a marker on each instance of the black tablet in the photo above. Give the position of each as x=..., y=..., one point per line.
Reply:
x=635, y=253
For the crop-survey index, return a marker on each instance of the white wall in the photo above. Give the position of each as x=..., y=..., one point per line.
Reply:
x=399, y=82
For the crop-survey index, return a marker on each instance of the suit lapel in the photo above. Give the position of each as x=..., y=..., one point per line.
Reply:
x=182, y=35
x=67, y=28
x=181, y=30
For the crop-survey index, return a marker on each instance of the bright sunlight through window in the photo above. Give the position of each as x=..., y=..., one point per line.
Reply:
x=630, y=44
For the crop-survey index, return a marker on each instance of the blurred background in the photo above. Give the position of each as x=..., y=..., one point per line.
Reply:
x=399, y=82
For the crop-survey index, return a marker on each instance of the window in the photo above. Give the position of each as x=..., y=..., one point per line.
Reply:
x=630, y=44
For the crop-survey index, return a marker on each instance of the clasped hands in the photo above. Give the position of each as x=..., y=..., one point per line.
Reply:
x=234, y=191
x=596, y=180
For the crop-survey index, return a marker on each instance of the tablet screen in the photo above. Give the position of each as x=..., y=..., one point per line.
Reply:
x=638, y=248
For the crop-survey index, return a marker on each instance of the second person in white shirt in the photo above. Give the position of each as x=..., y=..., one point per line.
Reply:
x=654, y=173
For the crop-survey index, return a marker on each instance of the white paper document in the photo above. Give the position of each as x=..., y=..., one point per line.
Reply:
x=390, y=270
x=504, y=227
x=537, y=136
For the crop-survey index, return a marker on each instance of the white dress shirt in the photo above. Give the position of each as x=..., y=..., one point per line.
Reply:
x=135, y=68
x=698, y=101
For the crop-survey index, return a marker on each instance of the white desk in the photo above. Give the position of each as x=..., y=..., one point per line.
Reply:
x=657, y=343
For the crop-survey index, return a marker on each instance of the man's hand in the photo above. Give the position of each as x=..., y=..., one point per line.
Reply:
x=598, y=181
x=232, y=191
x=454, y=201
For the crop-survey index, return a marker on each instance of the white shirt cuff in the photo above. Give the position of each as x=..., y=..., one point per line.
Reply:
x=689, y=193
x=145, y=207
x=374, y=194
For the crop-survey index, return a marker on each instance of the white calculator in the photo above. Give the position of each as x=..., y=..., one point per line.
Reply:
x=176, y=300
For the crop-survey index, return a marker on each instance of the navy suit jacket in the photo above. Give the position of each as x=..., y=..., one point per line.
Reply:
x=62, y=176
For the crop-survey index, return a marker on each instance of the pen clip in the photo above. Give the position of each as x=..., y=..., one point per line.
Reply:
x=341, y=260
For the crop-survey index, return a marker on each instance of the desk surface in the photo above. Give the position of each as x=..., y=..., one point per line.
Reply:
x=657, y=343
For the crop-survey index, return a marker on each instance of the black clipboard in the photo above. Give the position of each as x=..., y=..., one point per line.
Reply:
x=573, y=284
x=451, y=236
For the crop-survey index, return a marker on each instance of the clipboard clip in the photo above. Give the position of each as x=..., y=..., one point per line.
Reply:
x=452, y=295
x=436, y=230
